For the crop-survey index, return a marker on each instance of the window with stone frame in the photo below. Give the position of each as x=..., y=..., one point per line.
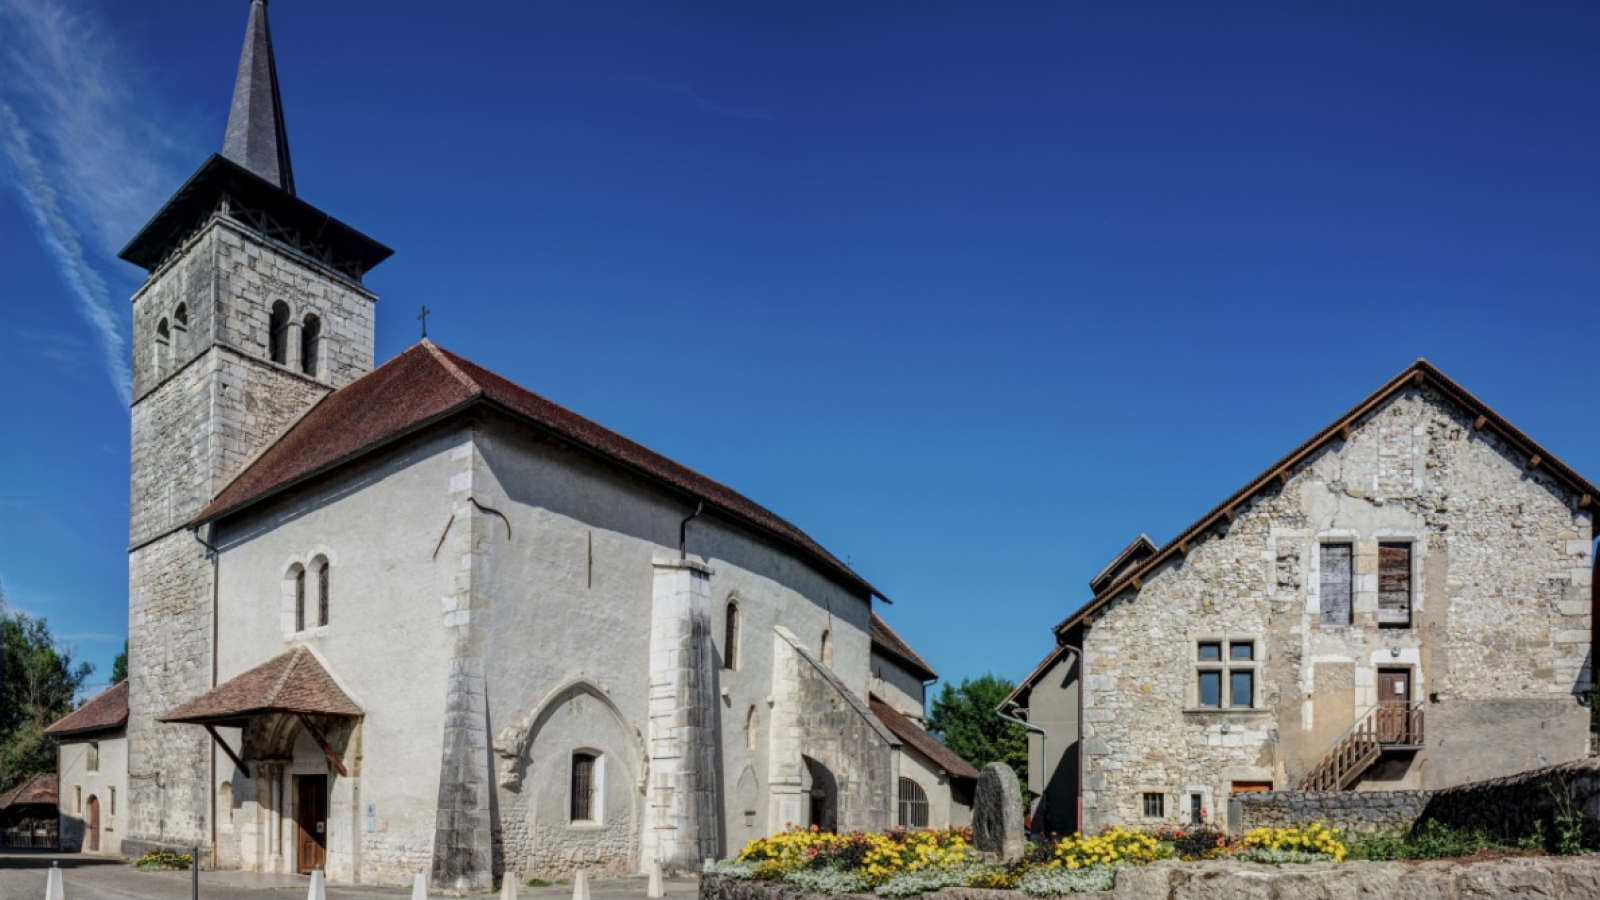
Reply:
x=278, y=333
x=1155, y=805
x=91, y=762
x=1394, y=585
x=730, y=637
x=1335, y=588
x=1226, y=673
x=585, y=787
x=299, y=575
x=320, y=566
x=913, y=805
x=310, y=344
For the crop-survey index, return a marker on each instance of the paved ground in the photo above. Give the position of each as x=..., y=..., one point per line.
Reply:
x=23, y=874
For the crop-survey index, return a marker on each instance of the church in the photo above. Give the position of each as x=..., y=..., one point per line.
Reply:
x=413, y=617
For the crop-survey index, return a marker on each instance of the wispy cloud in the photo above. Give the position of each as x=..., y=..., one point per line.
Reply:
x=688, y=97
x=81, y=152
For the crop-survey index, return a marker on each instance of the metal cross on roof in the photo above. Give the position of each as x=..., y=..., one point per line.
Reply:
x=423, y=318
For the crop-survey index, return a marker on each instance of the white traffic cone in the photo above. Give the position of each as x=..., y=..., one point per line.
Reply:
x=319, y=889
x=654, y=891
x=419, y=887
x=580, y=885
x=52, y=884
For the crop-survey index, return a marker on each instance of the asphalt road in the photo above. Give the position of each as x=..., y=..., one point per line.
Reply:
x=23, y=874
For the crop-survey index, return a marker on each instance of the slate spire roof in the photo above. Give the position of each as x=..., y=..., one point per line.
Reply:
x=256, y=138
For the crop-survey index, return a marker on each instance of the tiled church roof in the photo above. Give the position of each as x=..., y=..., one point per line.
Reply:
x=911, y=733
x=892, y=645
x=292, y=682
x=427, y=384
x=109, y=709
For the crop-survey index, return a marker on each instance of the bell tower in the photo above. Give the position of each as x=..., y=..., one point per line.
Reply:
x=253, y=311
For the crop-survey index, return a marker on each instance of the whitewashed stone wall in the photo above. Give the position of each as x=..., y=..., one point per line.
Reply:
x=1498, y=643
x=108, y=783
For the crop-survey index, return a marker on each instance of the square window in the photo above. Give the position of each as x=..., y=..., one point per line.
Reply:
x=1210, y=652
x=1242, y=691
x=1242, y=650
x=1155, y=805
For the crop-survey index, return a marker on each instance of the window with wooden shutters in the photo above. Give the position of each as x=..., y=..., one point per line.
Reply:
x=1394, y=584
x=913, y=805
x=583, y=783
x=1336, y=581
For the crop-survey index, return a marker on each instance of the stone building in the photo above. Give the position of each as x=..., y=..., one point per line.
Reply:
x=1404, y=601
x=418, y=618
x=92, y=771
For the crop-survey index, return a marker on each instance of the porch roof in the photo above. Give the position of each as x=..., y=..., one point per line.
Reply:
x=294, y=682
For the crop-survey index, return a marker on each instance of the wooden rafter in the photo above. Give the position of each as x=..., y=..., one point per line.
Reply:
x=316, y=735
x=228, y=750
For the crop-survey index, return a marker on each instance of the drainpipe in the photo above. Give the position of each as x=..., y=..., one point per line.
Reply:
x=1044, y=745
x=211, y=780
x=683, y=531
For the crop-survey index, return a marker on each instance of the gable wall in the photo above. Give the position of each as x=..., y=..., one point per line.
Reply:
x=1500, y=628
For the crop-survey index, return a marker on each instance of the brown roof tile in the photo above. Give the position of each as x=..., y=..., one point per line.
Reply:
x=426, y=384
x=892, y=645
x=1418, y=373
x=292, y=682
x=911, y=733
x=109, y=709
x=40, y=790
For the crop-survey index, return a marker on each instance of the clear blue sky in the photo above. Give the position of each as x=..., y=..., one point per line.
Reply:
x=972, y=292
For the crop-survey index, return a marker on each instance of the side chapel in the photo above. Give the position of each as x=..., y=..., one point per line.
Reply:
x=414, y=617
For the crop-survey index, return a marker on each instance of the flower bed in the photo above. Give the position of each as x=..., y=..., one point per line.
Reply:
x=897, y=864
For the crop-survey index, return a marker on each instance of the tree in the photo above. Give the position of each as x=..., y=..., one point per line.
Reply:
x=119, y=666
x=37, y=684
x=964, y=718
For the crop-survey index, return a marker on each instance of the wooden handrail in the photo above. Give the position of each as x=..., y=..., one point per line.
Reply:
x=1362, y=744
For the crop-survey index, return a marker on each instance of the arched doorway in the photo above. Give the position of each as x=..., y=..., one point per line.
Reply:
x=824, y=792
x=92, y=823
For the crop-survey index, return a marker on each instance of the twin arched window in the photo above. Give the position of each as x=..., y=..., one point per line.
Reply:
x=278, y=334
x=311, y=594
x=310, y=344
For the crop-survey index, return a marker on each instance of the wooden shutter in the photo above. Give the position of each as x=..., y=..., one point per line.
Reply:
x=1335, y=595
x=1394, y=584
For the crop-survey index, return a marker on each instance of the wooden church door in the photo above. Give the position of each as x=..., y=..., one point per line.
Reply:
x=311, y=815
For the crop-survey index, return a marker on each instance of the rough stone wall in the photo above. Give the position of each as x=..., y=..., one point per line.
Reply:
x=1364, y=811
x=1509, y=808
x=1497, y=645
x=169, y=662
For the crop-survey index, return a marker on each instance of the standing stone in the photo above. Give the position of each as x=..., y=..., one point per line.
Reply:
x=997, y=812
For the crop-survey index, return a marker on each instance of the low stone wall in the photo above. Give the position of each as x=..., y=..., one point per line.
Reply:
x=1509, y=808
x=1548, y=878
x=1363, y=811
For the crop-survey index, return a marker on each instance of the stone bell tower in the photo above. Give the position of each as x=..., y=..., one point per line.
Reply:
x=253, y=311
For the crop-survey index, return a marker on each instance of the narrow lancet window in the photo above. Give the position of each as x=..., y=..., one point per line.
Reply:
x=278, y=334
x=310, y=345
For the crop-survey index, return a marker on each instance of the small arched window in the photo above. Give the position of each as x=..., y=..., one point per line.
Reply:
x=827, y=649
x=730, y=637
x=163, y=347
x=310, y=345
x=585, y=786
x=298, y=573
x=180, y=329
x=752, y=727
x=278, y=334
x=319, y=566
x=913, y=805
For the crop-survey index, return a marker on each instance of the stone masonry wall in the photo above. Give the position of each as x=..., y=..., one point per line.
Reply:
x=1350, y=811
x=1497, y=645
x=1509, y=808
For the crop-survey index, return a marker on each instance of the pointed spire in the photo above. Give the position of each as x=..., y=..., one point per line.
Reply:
x=256, y=138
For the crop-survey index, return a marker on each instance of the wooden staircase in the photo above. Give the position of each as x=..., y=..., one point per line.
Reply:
x=1384, y=727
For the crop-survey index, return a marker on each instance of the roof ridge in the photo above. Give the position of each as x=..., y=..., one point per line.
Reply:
x=296, y=654
x=443, y=356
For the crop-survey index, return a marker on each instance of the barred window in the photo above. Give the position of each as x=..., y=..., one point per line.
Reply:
x=583, y=786
x=1155, y=805
x=913, y=805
